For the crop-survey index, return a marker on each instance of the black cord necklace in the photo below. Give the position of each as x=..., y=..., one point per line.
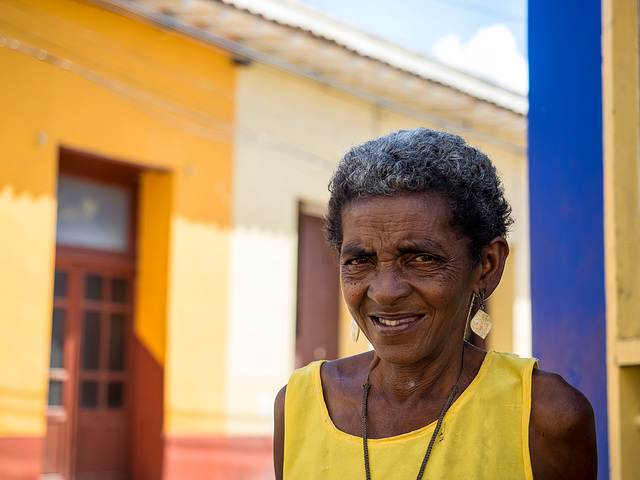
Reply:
x=365, y=396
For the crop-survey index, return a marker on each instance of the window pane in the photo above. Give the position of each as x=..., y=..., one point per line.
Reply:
x=55, y=393
x=92, y=214
x=57, y=339
x=116, y=342
x=60, y=284
x=91, y=341
x=119, y=290
x=114, y=395
x=89, y=394
x=93, y=287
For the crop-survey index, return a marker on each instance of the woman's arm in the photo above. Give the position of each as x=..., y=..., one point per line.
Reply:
x=278, y=433
x=562, y=432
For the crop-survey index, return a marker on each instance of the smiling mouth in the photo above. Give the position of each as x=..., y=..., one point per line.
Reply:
x=389, y=322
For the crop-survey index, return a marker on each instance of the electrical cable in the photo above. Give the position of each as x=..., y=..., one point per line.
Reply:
x=483, y=10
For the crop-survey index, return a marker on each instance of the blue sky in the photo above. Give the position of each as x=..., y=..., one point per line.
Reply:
x=484, y=37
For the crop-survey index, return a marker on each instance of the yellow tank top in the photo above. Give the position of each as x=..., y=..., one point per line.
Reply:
x=484, y=435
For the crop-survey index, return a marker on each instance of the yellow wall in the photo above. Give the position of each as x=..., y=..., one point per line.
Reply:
x=290, y=134
x=622, y=232
x=26, y=255
x=154, y=231
x=110, y=86
x=500, y=307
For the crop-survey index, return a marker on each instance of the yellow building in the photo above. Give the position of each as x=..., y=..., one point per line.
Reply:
x=130, y=128
x=622, y=232
x=163, y=171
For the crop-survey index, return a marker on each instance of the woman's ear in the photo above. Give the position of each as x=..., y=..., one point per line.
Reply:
x=492, y=261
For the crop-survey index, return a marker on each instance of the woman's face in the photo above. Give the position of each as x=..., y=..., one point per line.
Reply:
x=406, y=275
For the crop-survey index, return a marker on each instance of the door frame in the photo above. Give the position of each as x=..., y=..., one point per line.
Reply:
x=108, y=172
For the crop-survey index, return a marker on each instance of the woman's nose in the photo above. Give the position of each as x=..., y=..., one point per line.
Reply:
x=387, y=286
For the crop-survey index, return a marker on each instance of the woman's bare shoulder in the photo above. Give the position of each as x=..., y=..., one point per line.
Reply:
x=342, y=389
x=278, y=433
x=343, y=378
x=337, y=372
x=562, y=437
x=336, y=376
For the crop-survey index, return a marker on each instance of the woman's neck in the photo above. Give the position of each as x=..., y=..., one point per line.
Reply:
x=430, y=378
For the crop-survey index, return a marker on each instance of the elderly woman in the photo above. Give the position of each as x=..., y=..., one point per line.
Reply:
x=418, y=221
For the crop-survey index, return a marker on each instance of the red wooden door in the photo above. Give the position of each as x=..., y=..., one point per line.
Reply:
x=90, y=386
x=89, y=395
x=318, y=309
x=102, y=420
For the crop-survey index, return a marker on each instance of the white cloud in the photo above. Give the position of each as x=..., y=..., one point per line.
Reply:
x=491, y=53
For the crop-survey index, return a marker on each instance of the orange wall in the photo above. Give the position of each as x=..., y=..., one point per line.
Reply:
x=78, y=76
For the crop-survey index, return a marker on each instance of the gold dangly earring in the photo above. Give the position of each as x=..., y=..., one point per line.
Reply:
x=481, y=321
x=355, y=331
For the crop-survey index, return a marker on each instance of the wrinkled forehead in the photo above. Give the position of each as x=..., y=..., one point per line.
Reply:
x=397, y=214
x=404, y=217
x=434, y=204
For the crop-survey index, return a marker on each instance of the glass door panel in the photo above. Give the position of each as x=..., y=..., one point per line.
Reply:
x=93, y=214
x=117, y=342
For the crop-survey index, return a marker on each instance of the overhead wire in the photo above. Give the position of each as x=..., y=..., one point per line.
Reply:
x=483, y=10
x=176, y=116
x=53, y=29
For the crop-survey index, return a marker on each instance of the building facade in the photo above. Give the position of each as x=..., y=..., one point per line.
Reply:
x=110, y=126
x=163, y=178
x=585, y=212
x=621, y=173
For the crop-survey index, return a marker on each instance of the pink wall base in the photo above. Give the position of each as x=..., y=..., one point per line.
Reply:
x=219, y=458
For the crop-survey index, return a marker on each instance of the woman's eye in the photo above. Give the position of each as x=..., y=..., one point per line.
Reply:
x=356, y=261
x=424, y=258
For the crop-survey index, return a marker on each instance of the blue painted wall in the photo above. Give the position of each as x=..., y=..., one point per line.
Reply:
x=566, y=199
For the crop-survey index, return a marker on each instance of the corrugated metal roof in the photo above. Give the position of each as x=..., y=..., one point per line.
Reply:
x=299, y=39
x=297, y=15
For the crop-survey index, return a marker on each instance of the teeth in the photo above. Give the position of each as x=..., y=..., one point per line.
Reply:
x=391, y=323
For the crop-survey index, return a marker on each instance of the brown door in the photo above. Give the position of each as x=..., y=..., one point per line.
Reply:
x=318, y=294
x=92, y=321
x=90, y=385
x=103, y=377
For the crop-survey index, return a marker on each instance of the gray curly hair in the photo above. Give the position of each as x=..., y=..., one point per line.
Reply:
x=423, y=160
